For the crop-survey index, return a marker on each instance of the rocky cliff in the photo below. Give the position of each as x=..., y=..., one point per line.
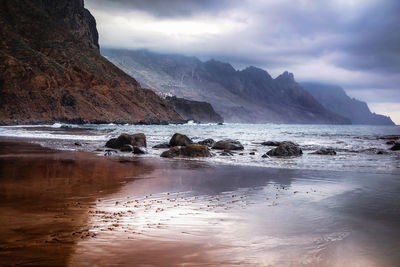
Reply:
x=195, y=110
x=250, y=95
x=334, y=98
x=51, y=70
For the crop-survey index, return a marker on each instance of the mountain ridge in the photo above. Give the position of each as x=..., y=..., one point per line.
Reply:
x=334, y=98
x=250, y=95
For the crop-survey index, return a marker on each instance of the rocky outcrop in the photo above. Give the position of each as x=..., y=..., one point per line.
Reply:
x=271, y=143
x=207, y=142
x=179, y=140
x=228, y=144
x=285, y=150
x=138, y=150
x=163, y=145
x=325, y=151
x=51, y=70
x=195, y=110
x=138, y=139
x=395, y=147
x=126, y=148
x=276, y=143
x=192, y=150
x=335, y=99
x=250, y=95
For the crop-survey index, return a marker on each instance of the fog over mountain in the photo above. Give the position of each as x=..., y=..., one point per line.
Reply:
x=250, y=95
x=335, y=99
x=351, y=43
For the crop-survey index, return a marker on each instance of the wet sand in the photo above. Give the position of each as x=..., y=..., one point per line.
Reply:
x=78, y=209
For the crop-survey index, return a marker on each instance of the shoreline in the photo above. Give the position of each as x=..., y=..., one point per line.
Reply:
x=98, y=151
x=64, y=208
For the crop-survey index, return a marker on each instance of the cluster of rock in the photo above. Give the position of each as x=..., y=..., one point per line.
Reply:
x=129, y=143
x=285, y=149
x=181, y=145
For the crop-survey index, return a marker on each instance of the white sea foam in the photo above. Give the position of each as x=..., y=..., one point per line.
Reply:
x=356, y=145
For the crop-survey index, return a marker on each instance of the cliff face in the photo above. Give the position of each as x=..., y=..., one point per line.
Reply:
x=335, y=99
x=195, y=110
x=51, y=70
x=250, y=95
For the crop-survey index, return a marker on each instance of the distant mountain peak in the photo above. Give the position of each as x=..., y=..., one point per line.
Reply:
x=215, y=64
x=256, y=71
x=286, y=76
x=334, y=98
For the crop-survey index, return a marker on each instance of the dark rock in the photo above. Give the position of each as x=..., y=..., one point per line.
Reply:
x=192, y=150
x=381, y=152
x=271, y=143
x=389, y=137
x=138, y=139
x=226, y=152
x=392, y=142
x=325, y=151
x=207, y=142
x=171, y=153
x=228, y=144
x=126, y=148
x=277, y=143
x=163, y=145
x=180, y=140
x=138, y=150
x=395, y=147
x=286, y=149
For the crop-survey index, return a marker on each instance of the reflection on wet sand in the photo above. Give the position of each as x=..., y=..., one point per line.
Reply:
x=225, y=215
x=45, y=197
x=82, y=210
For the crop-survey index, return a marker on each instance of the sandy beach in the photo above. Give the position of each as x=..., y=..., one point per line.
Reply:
x=80, y=209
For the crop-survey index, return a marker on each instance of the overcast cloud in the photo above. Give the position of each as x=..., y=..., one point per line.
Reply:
x=352, y=43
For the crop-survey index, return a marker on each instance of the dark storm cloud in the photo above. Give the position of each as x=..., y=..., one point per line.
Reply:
x=354, y=43
x=167, y=8
x=364, y=36
x=372, y=41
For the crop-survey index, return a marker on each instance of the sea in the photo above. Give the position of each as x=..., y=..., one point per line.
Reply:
x=359, y=148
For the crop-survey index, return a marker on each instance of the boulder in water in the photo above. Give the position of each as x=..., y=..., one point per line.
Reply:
x=276, y=143
x=192, y=150
x=207, y=142
x=138, y=139
x=325, y=151
x=138, y=150
x=395, y=147
x=271, y=143
x=226, y=152
x=126, y=148
x=163, y=145
x=286, y=149
x=228, y=144
x=180, y=140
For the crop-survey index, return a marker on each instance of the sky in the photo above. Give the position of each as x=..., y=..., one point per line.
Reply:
x=351, y=43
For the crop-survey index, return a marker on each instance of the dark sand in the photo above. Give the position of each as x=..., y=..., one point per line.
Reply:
x=79, y=209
